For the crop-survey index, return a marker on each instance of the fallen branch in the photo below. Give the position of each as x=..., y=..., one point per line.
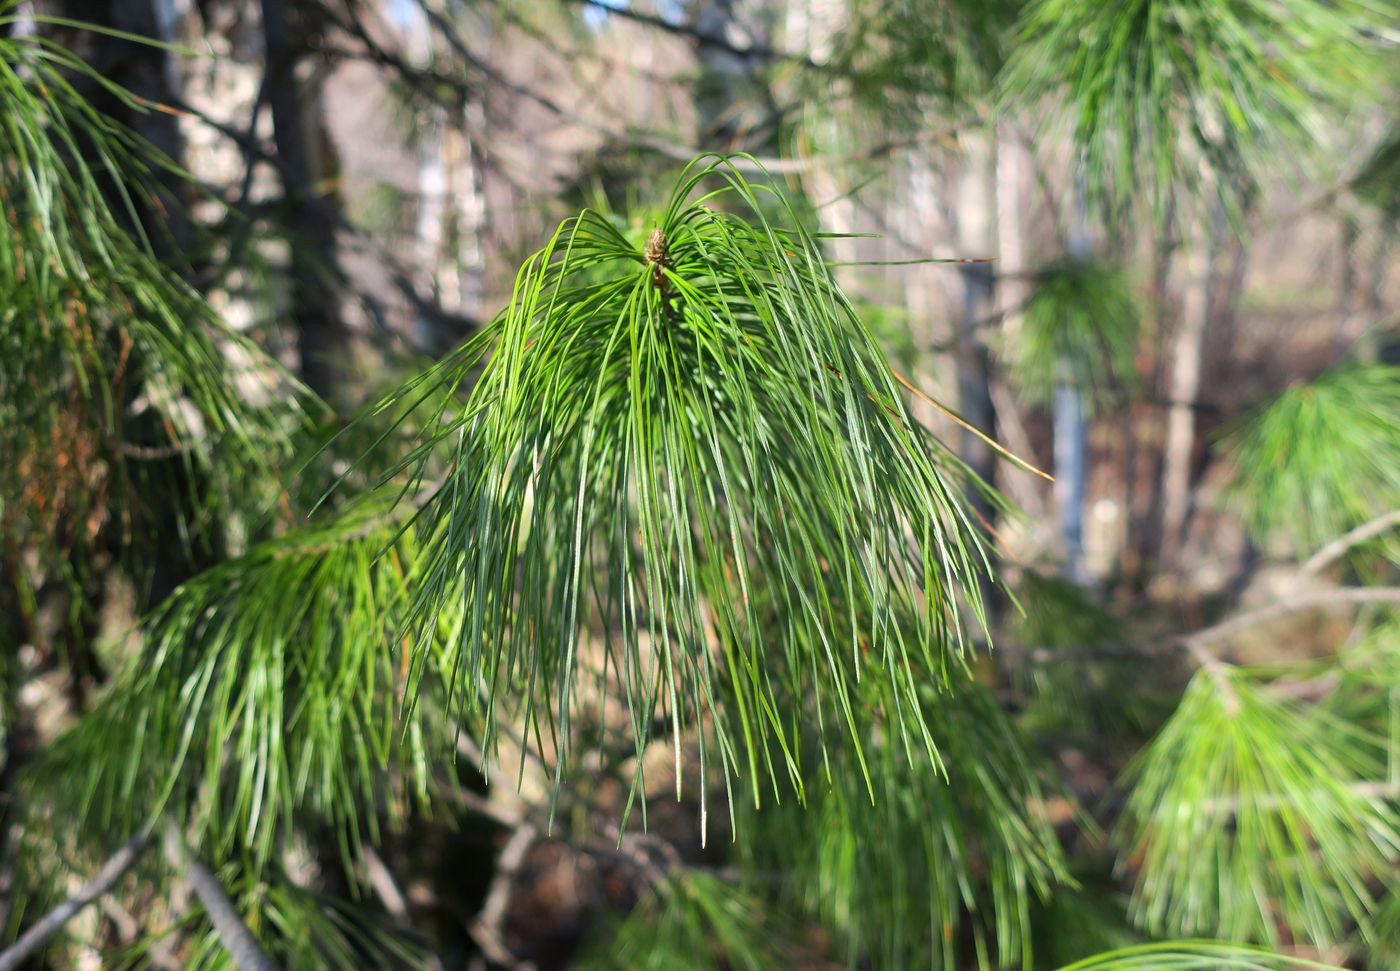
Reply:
x=18, y=953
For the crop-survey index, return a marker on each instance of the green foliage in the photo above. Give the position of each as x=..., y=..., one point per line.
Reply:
x=1195, y=956
x=1051, y=665
x=692, y=920
x=652, y=430
x=266, y=692
x=1167, y=94
x=1244, y=818
x=934, y=871
x=1089, y=918
x=1323, y=457
x=108, y=361
x=898, y=56
x=1080, y=327
x=677, y=473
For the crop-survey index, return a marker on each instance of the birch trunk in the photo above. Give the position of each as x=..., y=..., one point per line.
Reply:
x=1072, y=427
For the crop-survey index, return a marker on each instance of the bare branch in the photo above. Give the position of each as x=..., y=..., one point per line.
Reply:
x=1306, y=601
x=704, y=39
x=1340, y=546
x=18, y=953
x=386, y=57
x=1224, y=630
x=240, y=944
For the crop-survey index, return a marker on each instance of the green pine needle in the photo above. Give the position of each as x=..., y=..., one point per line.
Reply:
x=1195, y=956
x=652, y=430
x=934, y=871
x=1243, y=819
x=1080, y=326
x=1323, y=457
x=1166, y=95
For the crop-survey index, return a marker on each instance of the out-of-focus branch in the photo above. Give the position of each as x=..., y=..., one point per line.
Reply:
x=760, y=52
x=488, y=930
x=1197, y=642
x=379, y=53
x=18, y=953
x=1369, y=791
x=386, y=888
x=242, y=947
x=1340, y=546
x=1304, y=601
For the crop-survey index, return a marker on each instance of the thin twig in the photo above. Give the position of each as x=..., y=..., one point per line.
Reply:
x=703, y=38
x=237, y=940
x=54, y=921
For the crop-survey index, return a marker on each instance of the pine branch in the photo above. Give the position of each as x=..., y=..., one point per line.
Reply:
x=18, y=953
x=238, y=941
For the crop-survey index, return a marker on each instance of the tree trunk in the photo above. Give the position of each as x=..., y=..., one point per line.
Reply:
x=1072, y=426
x=308, y=213
x=976, y=215
x=1187, y=350
x=1071, y=473
x=1013, y=170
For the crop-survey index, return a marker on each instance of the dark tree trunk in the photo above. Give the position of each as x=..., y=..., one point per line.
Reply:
x=308, y=213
